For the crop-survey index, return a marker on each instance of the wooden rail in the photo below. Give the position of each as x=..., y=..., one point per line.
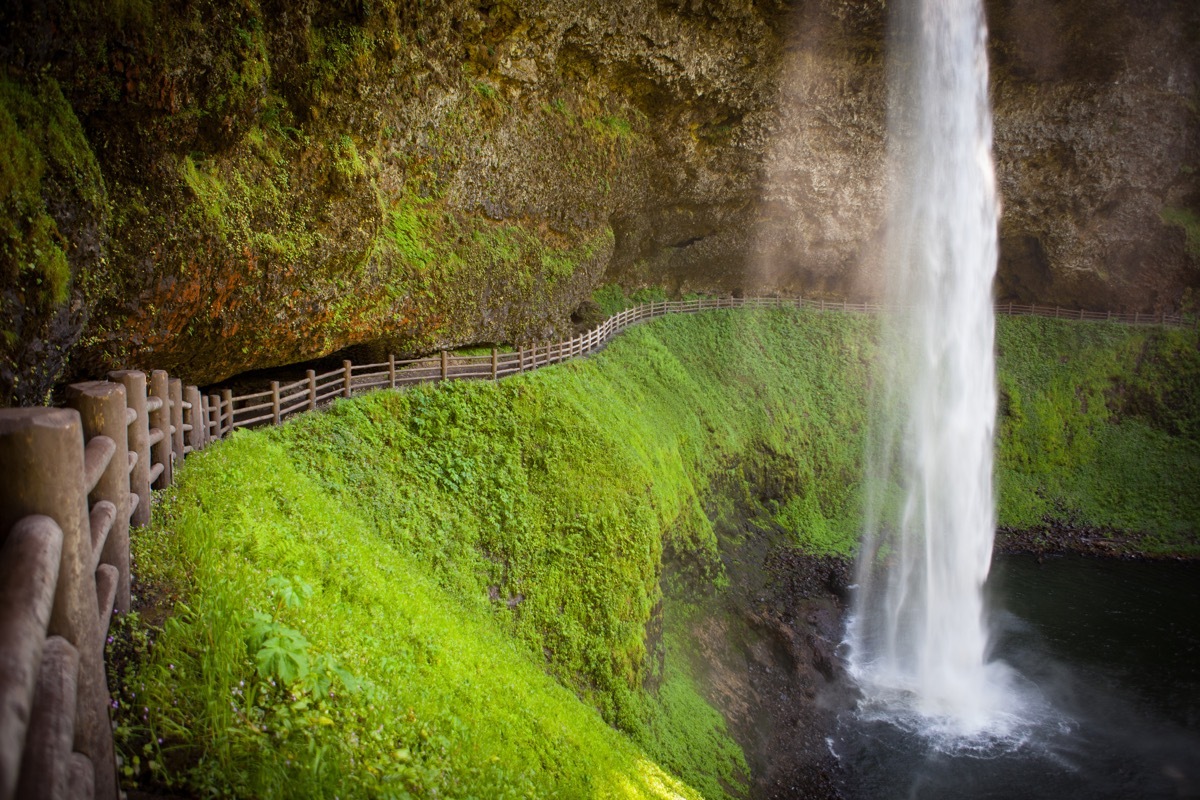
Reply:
x=273, y=405
x=76, y=479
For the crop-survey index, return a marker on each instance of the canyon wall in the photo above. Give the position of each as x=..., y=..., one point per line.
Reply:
x=213, y=186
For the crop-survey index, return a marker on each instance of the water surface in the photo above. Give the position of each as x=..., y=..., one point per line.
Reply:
x=1106, y=663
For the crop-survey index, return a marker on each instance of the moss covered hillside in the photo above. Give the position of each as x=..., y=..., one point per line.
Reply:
x=487, y=589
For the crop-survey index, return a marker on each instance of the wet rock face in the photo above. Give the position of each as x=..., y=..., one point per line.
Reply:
x=279, y=181
x=767, y=660
x=1097, y=143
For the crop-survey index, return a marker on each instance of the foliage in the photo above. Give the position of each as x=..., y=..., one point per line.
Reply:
x=447, y=546
x=434, y=591
x=612, y=298
x=1187, y=220
x=1100, y=423
x=45, y=162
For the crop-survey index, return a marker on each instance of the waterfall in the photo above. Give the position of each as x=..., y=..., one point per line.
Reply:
x=918, y=641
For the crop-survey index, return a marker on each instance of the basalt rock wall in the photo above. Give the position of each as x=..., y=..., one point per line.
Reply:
x=211, y=186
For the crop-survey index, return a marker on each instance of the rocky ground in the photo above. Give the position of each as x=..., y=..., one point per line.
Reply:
x=766, y=656
x=1056, y=537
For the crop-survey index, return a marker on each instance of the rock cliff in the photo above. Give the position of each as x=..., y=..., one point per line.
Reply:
x=221, y=185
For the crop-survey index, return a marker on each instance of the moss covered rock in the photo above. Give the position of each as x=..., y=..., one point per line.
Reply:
x=249, y=184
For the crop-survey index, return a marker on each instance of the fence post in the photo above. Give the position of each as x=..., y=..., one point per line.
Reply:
x=44, y=447
x=214, y=419
x=445, y=364
x=392, y=372
x=195, y=436
x=138, y=441
x=175, y=392
x=227, y=409
x=274, y=402
x=495, y=363
x=202, y=420
x=101, y=407
x=160, y=419
x=346, y=386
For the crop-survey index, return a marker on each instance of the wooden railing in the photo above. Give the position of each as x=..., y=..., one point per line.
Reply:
x=75, y=479
x=225, y=412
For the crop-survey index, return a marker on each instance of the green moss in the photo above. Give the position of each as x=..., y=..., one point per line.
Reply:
x=610, y=127
x=42, y=149
x=1187, y=220
x=536, y=513
x=1100, y=423
x=346, y=161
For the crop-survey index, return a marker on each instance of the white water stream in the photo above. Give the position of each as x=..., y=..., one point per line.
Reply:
x=918, y=636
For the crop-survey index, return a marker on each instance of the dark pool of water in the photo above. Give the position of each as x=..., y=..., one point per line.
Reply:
x=1105, y=658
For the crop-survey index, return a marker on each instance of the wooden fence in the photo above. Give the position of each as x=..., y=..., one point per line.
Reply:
x=225, y=412
x=76, y=479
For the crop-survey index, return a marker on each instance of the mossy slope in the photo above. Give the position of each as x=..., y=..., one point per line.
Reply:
x=442, y=587
x=463, y=541
x=1100, y=424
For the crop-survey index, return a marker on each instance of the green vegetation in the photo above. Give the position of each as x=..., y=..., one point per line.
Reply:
x=42, y=151
x=451, y=588
x=613, y=299
x=53, y=208
x=405, y=642
x=1101, y=424
x=1187, y=220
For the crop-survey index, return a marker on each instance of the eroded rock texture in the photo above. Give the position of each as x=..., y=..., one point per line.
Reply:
x=214, y=186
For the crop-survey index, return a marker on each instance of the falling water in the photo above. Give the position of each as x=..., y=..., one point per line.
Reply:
x=918, y=639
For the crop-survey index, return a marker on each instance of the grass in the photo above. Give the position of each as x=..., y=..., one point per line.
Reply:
x=448, y=590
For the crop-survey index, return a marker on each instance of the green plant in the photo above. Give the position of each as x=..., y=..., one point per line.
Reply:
x=1187, y=220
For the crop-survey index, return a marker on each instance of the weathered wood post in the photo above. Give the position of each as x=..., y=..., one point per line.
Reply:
x=312, y=389
x=445, y=364
x=46, y=450
x=101, y=407
x=29, y=560
x=274, y=402
x=48, y=761
x=175, y=393
x=194, y=426
x=214, y=416
x=495, y=362
x=346, y=381
x=391, y=372
x=134, y=382
x=160, y=428
x=227, y=408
